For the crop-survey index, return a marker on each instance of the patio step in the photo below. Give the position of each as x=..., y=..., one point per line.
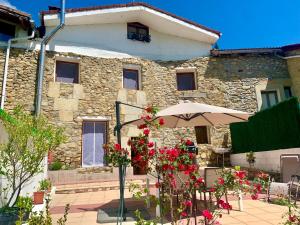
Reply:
x=98, y=186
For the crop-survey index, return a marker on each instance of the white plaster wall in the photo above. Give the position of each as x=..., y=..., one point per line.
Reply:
x=267, y=160
x=113, y=38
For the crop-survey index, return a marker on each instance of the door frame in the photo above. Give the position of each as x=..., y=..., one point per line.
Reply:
x=106, y=123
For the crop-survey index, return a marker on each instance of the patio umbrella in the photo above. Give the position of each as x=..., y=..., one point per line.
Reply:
x=191, y=114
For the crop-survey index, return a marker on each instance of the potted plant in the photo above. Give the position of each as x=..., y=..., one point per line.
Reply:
x=250, y=156
x=38, y=196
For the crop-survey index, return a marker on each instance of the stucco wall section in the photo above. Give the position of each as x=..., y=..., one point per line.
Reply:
x=294, y=70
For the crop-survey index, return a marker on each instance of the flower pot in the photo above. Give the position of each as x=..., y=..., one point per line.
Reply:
x=38, y=197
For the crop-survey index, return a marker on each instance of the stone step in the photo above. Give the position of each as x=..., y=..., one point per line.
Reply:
x=98, y=186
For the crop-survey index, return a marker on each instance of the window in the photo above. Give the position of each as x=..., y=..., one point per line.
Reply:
x=186, y=81
x=138, y=31
x=202, y=134
x=94, y=136
x=7, y=31
x=269, y=98
x=67, y=72
x=131, y=79
x=288, y=92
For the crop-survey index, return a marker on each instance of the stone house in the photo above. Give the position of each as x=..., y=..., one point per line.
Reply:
x=141, y=55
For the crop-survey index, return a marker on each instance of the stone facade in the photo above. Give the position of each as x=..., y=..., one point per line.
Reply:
x=228, y=81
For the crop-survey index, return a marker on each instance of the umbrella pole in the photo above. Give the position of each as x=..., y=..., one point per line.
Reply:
x=122, y=169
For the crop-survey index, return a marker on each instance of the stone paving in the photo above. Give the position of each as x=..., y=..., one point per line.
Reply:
x=84, y=208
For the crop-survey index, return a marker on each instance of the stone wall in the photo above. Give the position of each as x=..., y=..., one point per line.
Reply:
x=228, y=81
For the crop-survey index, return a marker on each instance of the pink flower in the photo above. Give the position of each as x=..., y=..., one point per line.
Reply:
x=207, y=214
x=146, y=132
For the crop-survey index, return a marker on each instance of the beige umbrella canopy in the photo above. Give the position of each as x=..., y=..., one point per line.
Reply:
x=190, y=114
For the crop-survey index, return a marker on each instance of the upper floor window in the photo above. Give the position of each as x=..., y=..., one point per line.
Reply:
x=131, y=79
x=185, y=81
x=7, y=31
x=269, y=98
x=138, y=31
x=67, y=72
x=287, y=92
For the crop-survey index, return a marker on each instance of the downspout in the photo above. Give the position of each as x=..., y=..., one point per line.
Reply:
x=44, y=43
x=3, y=95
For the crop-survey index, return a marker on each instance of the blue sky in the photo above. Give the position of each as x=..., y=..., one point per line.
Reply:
x=243, y=23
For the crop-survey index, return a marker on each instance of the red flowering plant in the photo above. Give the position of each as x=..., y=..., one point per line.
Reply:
x=116, y=155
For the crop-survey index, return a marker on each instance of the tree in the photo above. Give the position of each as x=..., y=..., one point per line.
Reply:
x=21, y=157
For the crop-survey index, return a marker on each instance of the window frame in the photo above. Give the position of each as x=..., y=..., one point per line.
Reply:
x=208, y=135
x=138, y=26
x=268, y=99
x=133, y=68
x=289, y=88
x=107, y=140
x=180, y=73
x=67, y=60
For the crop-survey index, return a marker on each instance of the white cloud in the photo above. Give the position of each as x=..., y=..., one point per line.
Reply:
x=7, y=3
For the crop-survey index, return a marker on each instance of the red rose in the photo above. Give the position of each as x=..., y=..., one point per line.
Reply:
x=148, y=117
x=188, y=203
x=181, y=167
x=240, y=174
x=151, y=152
x=161, y=121
x=118, y=147
x=200, y=180
x=146, y=132
x=184, y=214
x=254, y=196
x=207, y=214
x=150, y=144
x=188, y=142
x=157, y=185
x=142, y=126
x=221, y=181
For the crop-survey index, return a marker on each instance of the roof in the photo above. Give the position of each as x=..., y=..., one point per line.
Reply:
x=15, y=16
x=292, y=47
x=133, y=4
x=267, y=50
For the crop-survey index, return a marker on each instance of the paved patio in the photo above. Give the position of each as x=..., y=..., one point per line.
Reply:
x=84, y=207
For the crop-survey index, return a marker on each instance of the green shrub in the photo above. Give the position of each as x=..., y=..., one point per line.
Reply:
x=56, y=166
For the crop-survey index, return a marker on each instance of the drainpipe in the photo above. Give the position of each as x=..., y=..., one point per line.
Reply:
x=44, y=43
x=3, y=96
